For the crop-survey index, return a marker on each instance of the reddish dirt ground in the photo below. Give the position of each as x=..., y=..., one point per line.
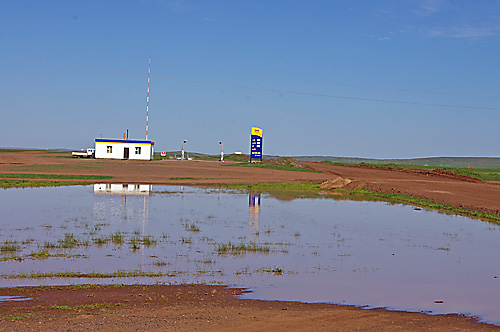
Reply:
x=204, y=308
x=439, y=187
x=200, y=308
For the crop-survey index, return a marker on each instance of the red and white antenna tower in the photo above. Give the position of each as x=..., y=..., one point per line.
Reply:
x=147, y=100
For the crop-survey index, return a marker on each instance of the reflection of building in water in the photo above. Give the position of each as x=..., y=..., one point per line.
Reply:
x=108, y=192
x=123, y=189
x=254, y=214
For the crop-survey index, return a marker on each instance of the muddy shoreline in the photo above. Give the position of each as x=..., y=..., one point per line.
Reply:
x=201, y=308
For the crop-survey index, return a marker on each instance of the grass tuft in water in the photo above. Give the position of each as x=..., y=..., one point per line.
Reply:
x=160, y=263
x=49, y=245
x=69, y=241
x=229, y=248
x=117, y=238
x=276, y=271
x=187, y=240
x=9, y=246
x=137, y=241
x=100, y=240
x=191, y=228
x=10, y=257
x=43, y=254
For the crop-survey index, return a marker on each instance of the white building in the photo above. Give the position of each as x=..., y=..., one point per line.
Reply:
x=123, y=149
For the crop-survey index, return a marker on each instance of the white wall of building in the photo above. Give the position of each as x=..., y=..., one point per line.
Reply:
x=116, y=149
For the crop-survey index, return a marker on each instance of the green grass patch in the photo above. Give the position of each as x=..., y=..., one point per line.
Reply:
x=68, y=242
x=117, y=238
x=14, y=150
x=9, y=246
x=276, y=167
x=160, y=263
x=42, y=254
x=53, y=176
x=61, y=307
x=84, y=286
x=276, y=270
x=310, y=187
x=100, y=240
x=281, y=191
x=80, y=307
x=182, y=178
x=364, y=194
x=70, y=274
x=49, y=245
x=136, y=241
x=229, y=248
x=10, y=257
x=6, y=184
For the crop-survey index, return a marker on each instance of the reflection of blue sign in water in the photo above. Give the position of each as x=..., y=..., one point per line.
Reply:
x=256, y=145
x=254, y=214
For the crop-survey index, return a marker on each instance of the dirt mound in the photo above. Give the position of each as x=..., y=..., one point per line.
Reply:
x=285, y=161
x=340, y=182
x=336, y=183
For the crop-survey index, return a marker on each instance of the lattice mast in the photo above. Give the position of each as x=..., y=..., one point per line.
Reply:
x=147, y=100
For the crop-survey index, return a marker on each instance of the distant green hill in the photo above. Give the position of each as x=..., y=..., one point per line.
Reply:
x=475, y=162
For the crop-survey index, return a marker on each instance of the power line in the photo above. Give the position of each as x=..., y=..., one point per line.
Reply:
x=289, y=79
x=312, y=94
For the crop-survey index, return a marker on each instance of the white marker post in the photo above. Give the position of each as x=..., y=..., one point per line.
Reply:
x=182, y=149
x=221, y=151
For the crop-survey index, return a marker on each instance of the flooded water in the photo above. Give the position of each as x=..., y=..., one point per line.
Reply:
x=315, y=250
x=14, y=298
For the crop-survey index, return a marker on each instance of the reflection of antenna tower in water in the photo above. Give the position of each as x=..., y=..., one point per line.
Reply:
x=254, y=214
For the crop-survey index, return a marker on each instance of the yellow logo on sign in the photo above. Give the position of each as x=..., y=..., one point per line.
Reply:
x=257, y=131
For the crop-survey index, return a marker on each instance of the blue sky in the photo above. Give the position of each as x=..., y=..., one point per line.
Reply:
x=382, y=79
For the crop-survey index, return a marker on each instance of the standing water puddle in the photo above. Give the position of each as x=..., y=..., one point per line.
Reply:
x=14, y=298
x=314, y=250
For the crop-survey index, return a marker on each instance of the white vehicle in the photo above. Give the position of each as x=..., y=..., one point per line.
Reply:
x=89, y=154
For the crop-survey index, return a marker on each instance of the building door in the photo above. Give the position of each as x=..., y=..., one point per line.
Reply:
x=125, y=153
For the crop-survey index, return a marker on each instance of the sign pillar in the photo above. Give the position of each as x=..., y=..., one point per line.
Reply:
x=256, y=140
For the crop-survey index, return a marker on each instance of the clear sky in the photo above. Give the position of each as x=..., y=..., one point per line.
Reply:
x=372, y=78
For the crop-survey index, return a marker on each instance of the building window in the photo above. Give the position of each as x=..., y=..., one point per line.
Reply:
x=138, y=150
x=109, y=149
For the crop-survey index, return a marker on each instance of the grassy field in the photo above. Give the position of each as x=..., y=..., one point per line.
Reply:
x=6, y=183
x=277, y=167
x=16, y=180
x=52, y=176
x=461, y=162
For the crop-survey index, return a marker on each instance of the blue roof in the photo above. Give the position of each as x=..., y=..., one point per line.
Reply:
x=107, y=140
